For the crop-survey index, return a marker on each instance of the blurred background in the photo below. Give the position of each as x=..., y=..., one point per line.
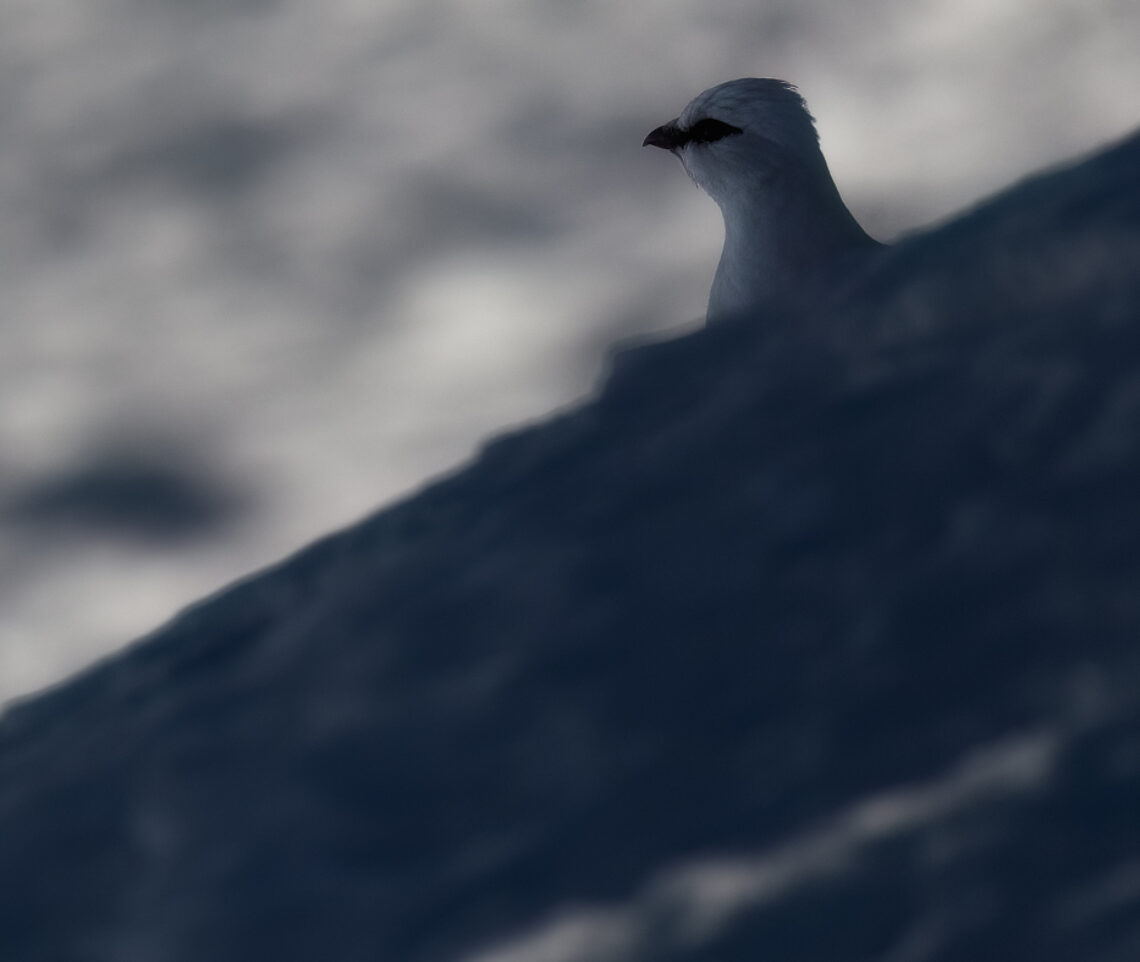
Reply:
x=268, y=264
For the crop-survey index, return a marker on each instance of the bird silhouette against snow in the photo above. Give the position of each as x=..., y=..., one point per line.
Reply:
x=752, y=146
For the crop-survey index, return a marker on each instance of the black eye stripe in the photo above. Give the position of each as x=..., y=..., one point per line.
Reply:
x=709, y=129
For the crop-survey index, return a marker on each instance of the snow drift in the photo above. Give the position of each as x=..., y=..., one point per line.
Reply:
x=812, y=637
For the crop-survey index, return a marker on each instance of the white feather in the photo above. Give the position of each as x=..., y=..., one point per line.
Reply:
x=784, y=221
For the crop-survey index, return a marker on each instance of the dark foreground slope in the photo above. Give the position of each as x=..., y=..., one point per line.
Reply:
x=814, y=637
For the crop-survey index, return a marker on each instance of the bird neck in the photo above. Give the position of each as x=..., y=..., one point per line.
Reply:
x=779, y=235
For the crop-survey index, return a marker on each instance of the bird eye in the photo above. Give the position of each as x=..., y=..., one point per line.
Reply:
x=708, y=130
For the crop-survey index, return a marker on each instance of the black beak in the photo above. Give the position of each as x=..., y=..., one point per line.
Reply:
x=667, y=137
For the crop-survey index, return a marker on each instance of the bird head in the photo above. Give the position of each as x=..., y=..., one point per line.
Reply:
x=735, y=136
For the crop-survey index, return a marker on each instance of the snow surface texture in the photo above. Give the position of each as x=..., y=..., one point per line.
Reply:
x=812, y=637
x=266, y=264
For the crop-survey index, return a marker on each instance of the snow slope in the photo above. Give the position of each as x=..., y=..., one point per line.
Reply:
x=812, y=637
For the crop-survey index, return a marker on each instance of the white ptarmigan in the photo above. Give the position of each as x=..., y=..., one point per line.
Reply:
x=752, y=146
